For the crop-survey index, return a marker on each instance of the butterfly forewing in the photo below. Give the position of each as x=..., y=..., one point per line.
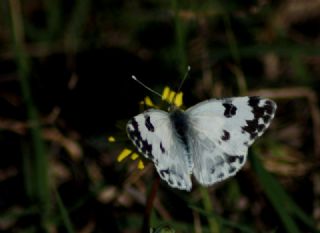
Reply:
x=222, y=131
x=151, y=132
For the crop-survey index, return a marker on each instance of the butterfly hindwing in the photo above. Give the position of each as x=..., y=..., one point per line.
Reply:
x=152, y=134
x=221, y=132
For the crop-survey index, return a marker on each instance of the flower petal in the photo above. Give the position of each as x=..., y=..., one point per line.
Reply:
x=140, y=165
x=111, y=139
x=148, y=101
x=124, y=154
x=179, y=99
x=134, y=156
x=165, y=93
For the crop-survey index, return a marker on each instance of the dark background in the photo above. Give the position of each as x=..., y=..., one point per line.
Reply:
x=65, y=87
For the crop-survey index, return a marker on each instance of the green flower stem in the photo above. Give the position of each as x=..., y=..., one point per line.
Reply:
x=39, y=188
x=213, y=223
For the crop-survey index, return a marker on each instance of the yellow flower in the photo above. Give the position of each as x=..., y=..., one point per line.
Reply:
x=167, y=95
x=172, y=97
x=147, y=101
x=125, y=153
x=111, y=139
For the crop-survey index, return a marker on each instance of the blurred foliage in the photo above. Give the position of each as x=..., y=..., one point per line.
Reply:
x=65, y=88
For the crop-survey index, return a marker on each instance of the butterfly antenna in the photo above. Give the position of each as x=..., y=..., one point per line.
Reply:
x=145, y=86
x=180, y=86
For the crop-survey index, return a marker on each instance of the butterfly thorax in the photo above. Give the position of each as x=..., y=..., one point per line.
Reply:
x=180, y=126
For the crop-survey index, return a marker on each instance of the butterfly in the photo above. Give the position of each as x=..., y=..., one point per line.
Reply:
x=209, y=140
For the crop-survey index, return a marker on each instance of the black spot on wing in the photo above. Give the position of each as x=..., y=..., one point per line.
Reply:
x=135, y=135
x=269, y=107
x=162, y=148
x=234, y=158
x=241, y=159
x=251, y=128
x=229, y=109
x=266, y=118
x=220, y=175
x=147, y=149
x=225, y=136
x=231, y=170
x=173, y=178
x=148, y=123
x=261, y=127
x=156, y=162
x=254, y=127
x=163, y=173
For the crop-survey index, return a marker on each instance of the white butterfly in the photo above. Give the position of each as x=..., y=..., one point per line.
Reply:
x=209, y=140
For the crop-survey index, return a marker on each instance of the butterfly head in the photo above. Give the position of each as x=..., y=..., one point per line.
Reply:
x=173, y=99
x=173, y=108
